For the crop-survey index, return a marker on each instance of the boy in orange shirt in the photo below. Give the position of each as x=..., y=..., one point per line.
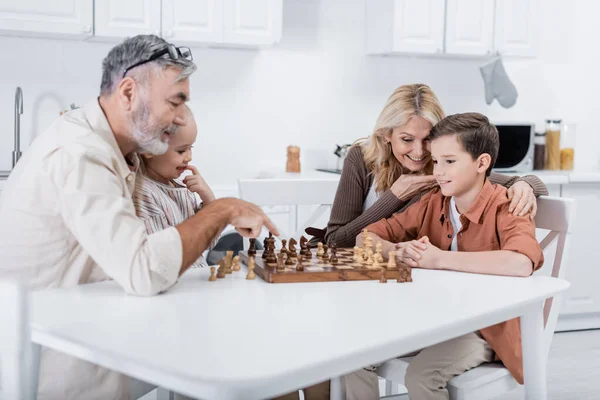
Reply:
x=464, y=225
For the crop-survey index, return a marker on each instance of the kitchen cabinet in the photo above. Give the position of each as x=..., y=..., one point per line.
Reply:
x=405, y=26
x=469, y=27
x=115, y=20
x=472, y=28
x=252, y=22
x=581, y=303
x=41, y=18
x=227, y=23
x=516, y=28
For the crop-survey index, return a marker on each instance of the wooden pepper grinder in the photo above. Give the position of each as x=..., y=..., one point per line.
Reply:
x=293, y=159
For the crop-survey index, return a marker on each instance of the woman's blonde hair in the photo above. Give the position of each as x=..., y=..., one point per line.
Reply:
x=406, y=101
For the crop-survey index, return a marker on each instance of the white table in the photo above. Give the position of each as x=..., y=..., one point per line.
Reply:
x=239, y=339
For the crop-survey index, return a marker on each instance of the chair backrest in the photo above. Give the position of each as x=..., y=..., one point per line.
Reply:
x=14, y=341
x=290, y=192
x=556, y=215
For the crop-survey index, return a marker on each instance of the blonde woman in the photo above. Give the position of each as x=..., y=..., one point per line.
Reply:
x=382, y=175
x=392, y=168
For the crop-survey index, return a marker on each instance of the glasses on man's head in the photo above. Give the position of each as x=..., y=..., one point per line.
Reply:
x=175, y=53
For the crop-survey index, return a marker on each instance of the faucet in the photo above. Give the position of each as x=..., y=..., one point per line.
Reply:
x=18, y=111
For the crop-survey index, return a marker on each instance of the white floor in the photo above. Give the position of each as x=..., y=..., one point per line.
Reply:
x=573, y=369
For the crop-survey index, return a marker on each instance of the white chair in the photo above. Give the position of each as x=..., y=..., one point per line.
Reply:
x=290, y=192
x=490, y=380
x=19, y=359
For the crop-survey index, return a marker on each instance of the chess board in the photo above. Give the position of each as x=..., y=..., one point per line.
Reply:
x=319, y=270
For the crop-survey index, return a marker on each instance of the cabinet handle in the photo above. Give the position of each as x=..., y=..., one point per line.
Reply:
x=86, y=29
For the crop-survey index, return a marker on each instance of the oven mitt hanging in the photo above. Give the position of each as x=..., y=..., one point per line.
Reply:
x=497, y=84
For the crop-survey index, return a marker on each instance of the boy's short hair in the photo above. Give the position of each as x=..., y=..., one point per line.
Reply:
x=475, y=132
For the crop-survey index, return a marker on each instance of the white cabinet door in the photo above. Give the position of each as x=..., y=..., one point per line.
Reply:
x=252, y=22
x=470, y=27
x=44, y=18
x=517, y=25
x=192, y=21
x=418, y=26
x=583, y=297
x=118, y=19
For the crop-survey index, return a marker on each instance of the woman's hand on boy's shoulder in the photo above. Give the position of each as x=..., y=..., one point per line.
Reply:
x=522, y=199
x=408, y=186
x=196, y=183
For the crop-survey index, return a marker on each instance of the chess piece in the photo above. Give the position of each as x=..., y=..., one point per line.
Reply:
x=293, y=159
x=382, y=278
x=221, y=272
x=252, y=248
x=375, y=262
x=378, y=248
x=303, y=245
x=299, y=266
x=370, y=257
x=284, y=250
x=360, y=256
x=308, y=254
x=365, y=234
x=391, y=260
x=228, y=261
x=265, y=248
x=355, y=255
x=251, y=265
x=325, y=255
x=212, y=277
x=333, y=259
x=320, y=250
x=405, y=274
x=280, y=264
x=236, y=263
x=292, y=248
x=271, y=257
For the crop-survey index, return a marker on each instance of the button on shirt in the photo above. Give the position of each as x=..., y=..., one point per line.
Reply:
x=67, y=218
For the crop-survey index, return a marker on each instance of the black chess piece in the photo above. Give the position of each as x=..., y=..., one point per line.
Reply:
x=252, y=248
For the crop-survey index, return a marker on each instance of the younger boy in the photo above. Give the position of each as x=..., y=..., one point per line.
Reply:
x=464, y=225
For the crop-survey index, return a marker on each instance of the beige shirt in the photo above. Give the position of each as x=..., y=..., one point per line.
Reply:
x=67, y=218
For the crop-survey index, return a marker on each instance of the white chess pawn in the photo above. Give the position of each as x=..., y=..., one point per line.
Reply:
x=320, y=250
x=251, y=265
x=391, y=260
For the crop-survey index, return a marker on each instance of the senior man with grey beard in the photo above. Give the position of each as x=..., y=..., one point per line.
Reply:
x=67, y=215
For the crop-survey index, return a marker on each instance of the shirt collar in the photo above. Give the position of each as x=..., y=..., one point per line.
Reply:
x=475, y=212
x=99, y=124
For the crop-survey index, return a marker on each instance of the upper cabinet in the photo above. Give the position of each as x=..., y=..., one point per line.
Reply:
x=516, y=27
x=199, y=21
x=469, y=27
x=118, y=19
x=452, y=27
x=252, y=22
x=405, y=26
x=56, y=18
x=230, y=23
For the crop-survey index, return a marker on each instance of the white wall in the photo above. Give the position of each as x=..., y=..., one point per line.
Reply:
x=317, y=88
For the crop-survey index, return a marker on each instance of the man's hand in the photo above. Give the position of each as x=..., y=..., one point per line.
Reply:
x=248, y=219
x=196, y=183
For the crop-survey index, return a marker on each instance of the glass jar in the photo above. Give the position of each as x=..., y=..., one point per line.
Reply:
x=553, y=144
x=539, y=151
x=567, y=147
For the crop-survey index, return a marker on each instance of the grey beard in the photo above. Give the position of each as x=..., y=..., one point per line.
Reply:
x=147, y=135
